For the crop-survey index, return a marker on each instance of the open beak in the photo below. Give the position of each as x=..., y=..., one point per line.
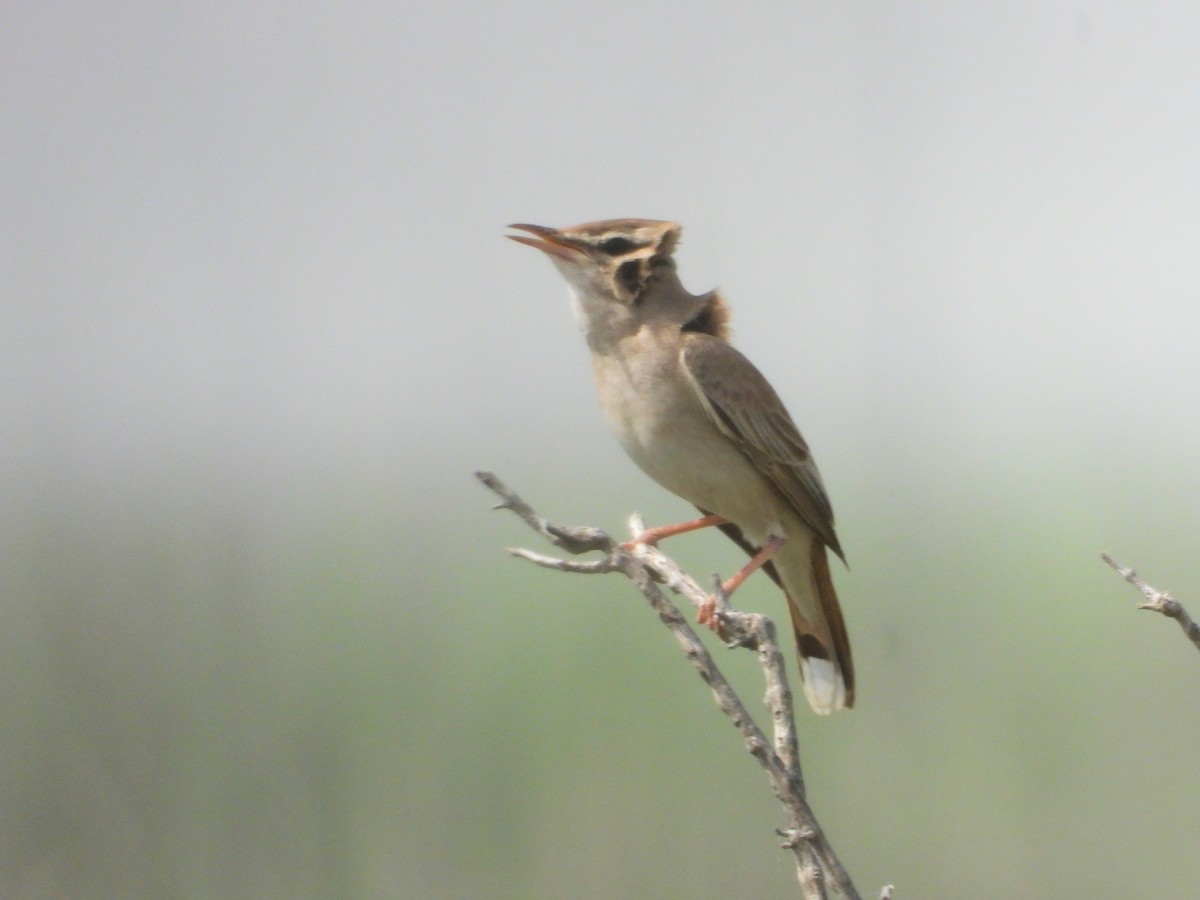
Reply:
x=547, y=241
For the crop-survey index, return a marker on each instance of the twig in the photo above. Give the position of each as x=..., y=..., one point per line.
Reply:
x=817, y=865
x=1158, y=601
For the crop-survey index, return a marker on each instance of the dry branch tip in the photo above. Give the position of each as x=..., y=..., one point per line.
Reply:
x=645, y=565
x=1158, y=601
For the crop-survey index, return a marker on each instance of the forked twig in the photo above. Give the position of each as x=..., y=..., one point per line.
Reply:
x=818, y=868
x=1158, y=601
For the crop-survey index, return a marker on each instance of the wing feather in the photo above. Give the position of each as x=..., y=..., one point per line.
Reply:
x=743, y=405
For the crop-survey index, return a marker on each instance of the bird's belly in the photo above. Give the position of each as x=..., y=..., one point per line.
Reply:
x=672, y=439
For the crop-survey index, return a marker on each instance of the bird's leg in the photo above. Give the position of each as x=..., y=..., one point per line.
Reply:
x=708, y=612
x=651, y=536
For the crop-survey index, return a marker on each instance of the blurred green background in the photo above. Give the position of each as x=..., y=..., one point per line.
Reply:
x=258, y=326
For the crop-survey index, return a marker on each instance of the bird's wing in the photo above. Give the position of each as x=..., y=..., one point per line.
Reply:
x=746, y=409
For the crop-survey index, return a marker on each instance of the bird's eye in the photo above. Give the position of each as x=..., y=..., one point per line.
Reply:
x=615, y=246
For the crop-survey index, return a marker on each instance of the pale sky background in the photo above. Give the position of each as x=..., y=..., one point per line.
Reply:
x=258, y=325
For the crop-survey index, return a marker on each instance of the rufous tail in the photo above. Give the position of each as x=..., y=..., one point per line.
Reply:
x=822, y=641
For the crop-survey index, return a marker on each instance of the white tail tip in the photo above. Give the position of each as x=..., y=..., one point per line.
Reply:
x=823, y=685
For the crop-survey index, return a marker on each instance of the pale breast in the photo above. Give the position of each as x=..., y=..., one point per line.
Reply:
x=656, y=416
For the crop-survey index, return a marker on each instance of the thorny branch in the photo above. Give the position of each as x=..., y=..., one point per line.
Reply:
x=1158, y=601
x=817, y=865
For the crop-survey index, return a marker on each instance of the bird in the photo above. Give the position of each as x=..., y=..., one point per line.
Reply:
x=703, y=422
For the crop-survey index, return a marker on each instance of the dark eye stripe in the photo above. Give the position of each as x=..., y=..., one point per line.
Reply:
x=615, y=246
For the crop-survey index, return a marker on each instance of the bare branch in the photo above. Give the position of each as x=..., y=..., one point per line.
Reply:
x=817, y=865
x=1158, y=601
x=596, y=567
x=573, y=540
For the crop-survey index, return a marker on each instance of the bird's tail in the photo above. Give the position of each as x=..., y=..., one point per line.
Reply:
x=801, y=569
x=822, y=641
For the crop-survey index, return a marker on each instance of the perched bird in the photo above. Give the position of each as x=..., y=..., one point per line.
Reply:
x=702, y=421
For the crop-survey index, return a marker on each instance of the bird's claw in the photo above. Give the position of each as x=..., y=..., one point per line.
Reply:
x=710, y=616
